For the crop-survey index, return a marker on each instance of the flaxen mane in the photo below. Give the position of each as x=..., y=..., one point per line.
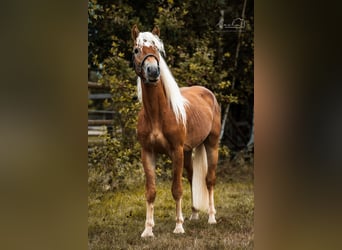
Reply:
x=177, y=101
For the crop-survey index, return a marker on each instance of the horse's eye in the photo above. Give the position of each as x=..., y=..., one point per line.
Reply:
x=136, y=51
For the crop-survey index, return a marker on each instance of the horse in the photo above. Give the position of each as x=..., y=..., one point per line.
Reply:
x=183, y=123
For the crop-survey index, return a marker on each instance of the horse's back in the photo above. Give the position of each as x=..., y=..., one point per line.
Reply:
x=199, y=94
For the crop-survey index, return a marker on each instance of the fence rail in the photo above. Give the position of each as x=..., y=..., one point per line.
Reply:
x=99, y=96
x=95, y=85
x=100, y=122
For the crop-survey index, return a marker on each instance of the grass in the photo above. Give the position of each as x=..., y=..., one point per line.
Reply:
x=116, y=219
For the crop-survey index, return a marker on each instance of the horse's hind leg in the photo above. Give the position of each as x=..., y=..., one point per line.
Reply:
x=211, y=147
x=148, y=160
x=189, y=169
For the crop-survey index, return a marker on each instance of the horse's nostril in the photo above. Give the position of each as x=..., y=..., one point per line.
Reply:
x=153, y=71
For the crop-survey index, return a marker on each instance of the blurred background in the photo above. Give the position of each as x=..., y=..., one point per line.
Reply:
x=47, y=55
x=207, y=43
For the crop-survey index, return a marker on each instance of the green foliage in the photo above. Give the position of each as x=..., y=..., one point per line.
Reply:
x=117, y=162
x=224, y=151
x=199, y=68
x=197, y=52
x=114, y=165
x=171, y=16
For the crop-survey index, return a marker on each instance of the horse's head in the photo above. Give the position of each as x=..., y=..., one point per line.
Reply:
x=146, y=54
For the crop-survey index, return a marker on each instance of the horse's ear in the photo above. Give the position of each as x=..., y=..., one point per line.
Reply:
x=156, y=31
x=135, y=32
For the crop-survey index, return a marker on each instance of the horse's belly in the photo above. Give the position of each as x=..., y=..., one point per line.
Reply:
x=197, y=132
x=194, y=139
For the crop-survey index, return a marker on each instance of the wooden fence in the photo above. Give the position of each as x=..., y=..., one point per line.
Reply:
x=100, y=120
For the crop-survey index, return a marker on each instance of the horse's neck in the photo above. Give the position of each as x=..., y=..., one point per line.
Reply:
x=155, y=102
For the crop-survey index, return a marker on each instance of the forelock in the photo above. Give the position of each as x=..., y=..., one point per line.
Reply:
x=148, y=39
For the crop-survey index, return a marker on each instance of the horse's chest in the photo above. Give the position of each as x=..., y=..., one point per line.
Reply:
x=155, y=139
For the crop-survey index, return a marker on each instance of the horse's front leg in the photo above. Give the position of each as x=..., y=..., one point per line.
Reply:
x=148, y=160
x=177, y=190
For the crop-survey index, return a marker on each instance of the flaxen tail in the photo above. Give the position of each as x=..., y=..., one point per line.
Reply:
x=200, y=195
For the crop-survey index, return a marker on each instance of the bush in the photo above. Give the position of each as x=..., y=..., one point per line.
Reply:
x=197, y=53
x=116, y=163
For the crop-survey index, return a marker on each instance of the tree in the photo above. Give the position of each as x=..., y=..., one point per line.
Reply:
x=200, y=50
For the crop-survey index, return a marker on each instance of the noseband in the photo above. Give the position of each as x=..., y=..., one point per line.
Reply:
x=138, y=68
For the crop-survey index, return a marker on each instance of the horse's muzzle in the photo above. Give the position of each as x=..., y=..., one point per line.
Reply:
x=152, y=73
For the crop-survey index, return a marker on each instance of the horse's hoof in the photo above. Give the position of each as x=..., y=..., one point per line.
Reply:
x=194, y=216
x=179, y=229
x=212, y=219
x=147, y=233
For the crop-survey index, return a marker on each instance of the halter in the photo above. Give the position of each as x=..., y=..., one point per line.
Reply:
x=138, y=68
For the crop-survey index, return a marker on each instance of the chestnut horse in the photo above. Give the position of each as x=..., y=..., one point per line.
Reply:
x=175, y=121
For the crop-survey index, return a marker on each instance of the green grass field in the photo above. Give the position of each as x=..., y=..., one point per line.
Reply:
x=116, y=219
